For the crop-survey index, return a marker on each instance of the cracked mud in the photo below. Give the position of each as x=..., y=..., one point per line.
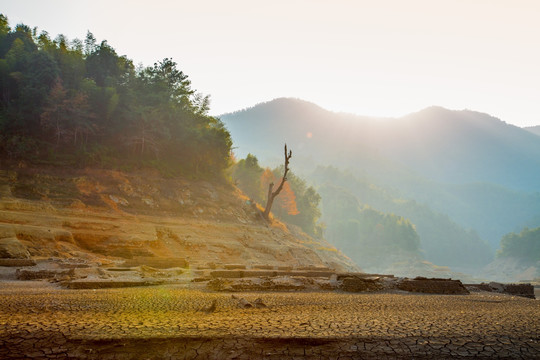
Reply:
x=38, y=320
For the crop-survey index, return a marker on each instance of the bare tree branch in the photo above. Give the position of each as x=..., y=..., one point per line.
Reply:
x=272, y=194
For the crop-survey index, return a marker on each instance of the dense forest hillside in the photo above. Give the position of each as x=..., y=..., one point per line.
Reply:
x=525, y=246
x=79, y=103
x=462, y=178
x=518, y=258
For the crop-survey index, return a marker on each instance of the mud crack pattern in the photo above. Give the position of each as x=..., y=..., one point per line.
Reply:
x=166, y=322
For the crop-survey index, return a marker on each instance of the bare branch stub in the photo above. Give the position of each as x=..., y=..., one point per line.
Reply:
x=272, y=194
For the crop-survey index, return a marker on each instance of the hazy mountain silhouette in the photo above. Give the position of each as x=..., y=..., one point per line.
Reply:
x=480, y=171
x=533, y=129
x=435, y=143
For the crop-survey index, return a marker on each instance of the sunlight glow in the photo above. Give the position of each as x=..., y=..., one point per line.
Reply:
x=384, y=58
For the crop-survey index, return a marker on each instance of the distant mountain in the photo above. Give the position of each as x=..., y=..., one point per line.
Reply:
x=442, y=241
x=481, y=172
x=533, y=129
x=435, y=143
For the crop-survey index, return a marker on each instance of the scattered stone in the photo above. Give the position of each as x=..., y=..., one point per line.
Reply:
x=259, y=304
x=244, y=304
x=211, y=308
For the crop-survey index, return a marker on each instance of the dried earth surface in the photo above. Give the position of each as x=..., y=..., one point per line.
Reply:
x=40, y=320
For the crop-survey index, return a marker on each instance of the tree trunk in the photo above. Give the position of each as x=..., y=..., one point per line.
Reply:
x=272, y=194
x=269, y=202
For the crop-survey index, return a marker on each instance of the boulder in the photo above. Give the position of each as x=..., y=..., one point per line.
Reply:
x=12, y=248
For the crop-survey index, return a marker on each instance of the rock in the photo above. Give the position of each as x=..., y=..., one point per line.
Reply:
x=210, y=309
x=357, y=284
x=150, y=202
x=244, y=304
x=217, y=284
x=263, y=267
x=259, y=304
x=523, y=290
x=433, y=286
x=17, y=262
x=12, y=248
x=234, y=267
x=158, y=263
x=496, y=286
x=119, y=200
x=43, y=274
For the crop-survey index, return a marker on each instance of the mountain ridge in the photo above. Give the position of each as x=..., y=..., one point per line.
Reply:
x=452, y=138
x=533, y=129
x=481, y=172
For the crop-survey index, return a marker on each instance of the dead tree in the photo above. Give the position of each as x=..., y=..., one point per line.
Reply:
x=272, y=194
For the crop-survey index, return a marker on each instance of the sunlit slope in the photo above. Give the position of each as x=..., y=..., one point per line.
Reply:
x=102, y=216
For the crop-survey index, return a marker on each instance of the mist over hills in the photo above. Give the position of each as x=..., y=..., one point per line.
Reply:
x=533, y=129
x=460, y=172
x=435, y=143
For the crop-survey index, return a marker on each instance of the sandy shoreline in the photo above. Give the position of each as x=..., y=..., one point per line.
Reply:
x=39, y=320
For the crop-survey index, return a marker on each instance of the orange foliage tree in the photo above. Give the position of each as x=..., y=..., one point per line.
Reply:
x=287, y=201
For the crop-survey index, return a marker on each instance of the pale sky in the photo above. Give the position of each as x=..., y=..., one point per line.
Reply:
x=379, y=57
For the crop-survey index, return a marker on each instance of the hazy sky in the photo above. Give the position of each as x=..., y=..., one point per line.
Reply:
x=380, y=57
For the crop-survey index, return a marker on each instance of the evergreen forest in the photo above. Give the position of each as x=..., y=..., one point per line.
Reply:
x=78, y=103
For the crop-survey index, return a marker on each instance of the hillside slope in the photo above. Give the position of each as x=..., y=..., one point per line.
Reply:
x=103, y=216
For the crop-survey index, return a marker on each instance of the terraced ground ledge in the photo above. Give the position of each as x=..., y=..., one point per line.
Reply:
x=42, y=321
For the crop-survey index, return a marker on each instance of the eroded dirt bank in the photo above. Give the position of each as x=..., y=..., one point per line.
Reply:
x=39, y=320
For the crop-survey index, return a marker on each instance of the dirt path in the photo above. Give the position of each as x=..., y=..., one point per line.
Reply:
x=38, y=320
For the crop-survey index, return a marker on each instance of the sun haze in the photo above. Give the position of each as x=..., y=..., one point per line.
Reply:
x=383, y=58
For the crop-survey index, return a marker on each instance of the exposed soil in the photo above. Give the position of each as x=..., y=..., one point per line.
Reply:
x=108, y=217
x=39, y=320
